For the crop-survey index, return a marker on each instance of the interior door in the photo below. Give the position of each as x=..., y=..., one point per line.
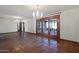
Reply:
x=49, y=27
x=39, y=26
x=53, y=28
x=45, y=27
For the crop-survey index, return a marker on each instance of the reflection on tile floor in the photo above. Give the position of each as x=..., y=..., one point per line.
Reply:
x=13, y=42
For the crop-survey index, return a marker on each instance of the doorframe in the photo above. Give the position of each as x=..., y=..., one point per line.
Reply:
x=58, y=25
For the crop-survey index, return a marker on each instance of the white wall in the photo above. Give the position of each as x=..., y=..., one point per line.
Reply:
x=69, y=25
x=30, y=25
x=7, y=25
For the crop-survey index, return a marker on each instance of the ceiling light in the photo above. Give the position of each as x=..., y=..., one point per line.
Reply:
x=37, y=14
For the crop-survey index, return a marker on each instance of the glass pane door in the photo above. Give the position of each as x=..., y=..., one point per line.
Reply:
x=53, y=26
x=39, y=26
x=45, y=26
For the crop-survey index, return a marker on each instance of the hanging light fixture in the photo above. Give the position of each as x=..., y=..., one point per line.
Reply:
x=37, y=14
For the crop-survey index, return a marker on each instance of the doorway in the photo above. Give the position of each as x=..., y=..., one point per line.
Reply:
x=49, y=27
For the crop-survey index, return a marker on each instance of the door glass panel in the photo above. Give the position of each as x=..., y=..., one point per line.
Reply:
x=45, y=26
x=53, y=27
x=39, y=26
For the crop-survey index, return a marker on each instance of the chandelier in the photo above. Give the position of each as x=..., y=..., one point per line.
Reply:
x=37, y=13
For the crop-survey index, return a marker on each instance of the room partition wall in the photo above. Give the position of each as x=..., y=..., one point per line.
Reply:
x=49, y=27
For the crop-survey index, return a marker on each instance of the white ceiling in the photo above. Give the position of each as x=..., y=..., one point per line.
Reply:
x=27, y=10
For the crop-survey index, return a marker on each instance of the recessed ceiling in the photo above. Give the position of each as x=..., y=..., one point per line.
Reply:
x=27, y=10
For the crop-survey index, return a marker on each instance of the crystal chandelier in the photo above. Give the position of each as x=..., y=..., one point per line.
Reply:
x=37, y=14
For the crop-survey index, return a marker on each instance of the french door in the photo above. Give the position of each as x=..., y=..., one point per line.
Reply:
x=49, y=27
x=39, y=27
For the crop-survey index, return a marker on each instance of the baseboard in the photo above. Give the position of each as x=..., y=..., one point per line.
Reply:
x=31, y=33
x=70, y=41
x=8, y=32
x=17, y=32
